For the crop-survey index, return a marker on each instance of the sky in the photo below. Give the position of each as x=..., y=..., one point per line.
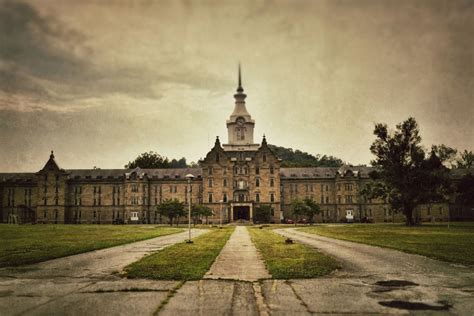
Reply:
x=100, y=82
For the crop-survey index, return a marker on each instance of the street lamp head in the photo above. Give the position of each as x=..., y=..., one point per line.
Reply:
x=189, y=176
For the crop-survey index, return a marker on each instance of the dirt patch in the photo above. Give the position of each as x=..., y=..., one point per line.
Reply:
x=441, y=306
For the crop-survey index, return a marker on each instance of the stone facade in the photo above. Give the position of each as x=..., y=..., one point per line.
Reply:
x=233, y=180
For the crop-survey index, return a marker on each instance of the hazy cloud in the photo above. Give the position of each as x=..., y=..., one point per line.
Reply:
x=101, y=81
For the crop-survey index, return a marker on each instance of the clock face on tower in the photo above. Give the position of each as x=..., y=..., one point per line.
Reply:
x=240, y=121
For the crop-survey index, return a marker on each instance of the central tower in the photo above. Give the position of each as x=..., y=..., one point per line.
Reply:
x=240, y=124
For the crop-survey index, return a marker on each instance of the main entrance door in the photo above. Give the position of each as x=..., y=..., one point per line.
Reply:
x=242, y=212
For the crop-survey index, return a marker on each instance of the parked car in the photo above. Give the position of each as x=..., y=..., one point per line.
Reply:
x=303, y=221
x=289, y=221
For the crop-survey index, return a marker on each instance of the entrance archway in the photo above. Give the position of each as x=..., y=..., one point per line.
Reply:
x=242, y=212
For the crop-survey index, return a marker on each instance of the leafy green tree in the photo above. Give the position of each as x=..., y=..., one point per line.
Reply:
x=263, y=214
x=297, y=158
x=466, y=160
x=312, y=209
x=171, y=209
x=307, y=208
x=181, y=163
x=149, y=160
x=446, y=154
x=198, y=211
x=409, y=177
x=465, y=190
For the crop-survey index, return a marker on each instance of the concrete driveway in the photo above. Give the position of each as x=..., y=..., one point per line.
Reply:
x=372, y=280
x=87, y=283
x=375, y=280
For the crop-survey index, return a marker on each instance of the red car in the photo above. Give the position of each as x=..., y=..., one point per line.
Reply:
x=289, y=221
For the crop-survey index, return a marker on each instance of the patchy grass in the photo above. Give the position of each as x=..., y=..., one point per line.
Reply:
x=290, y=261
x=182, y=261
x=455, y=244
x=26, y=244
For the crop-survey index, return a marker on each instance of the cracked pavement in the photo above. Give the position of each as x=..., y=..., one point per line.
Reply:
x=372, y=280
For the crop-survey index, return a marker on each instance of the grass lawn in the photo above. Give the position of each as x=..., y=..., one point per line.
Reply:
x=455, y=244
x=182, y=261
x=24, y=244
x=290, y=261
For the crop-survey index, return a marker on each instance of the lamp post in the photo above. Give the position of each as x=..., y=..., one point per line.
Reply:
x=189, y=177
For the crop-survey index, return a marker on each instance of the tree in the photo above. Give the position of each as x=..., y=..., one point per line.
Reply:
x=298, y=158
x=465, y=190
x=312, y=209
x=149, y=160
x=409, y=178
x=181, y=163
x=263, y=214
x=199, y=210
x=446, y=154
x=299, y=207
x=171, y=209
x=466, y=160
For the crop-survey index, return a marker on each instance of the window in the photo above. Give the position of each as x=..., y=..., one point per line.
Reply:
x=209, y=171
x=225, y=171
x=210, y=182
x=429, y=210
x=272, y=197
x=134, y=216
x=338, y=199
x=440, y=211
x=327, y=199
x=264, y=157
x=272, y=170
x=257, y=197
x=322, y=199
x=257, y=170
x=272, y=182
x=327, y=187
x=210, y=198
x=257, y=182
x=339, y=187
x=224, y=197
x=225, y=182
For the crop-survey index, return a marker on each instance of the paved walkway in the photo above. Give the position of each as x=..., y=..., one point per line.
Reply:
x=372, y=280
x=87, y=283
x=239, y=259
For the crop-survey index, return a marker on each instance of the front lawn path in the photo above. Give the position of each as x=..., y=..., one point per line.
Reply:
x=239, y=260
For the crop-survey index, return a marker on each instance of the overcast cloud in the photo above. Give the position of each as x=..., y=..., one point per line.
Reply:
x=100, y=82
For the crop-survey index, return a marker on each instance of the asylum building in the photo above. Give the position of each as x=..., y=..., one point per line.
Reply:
x=234, y=179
